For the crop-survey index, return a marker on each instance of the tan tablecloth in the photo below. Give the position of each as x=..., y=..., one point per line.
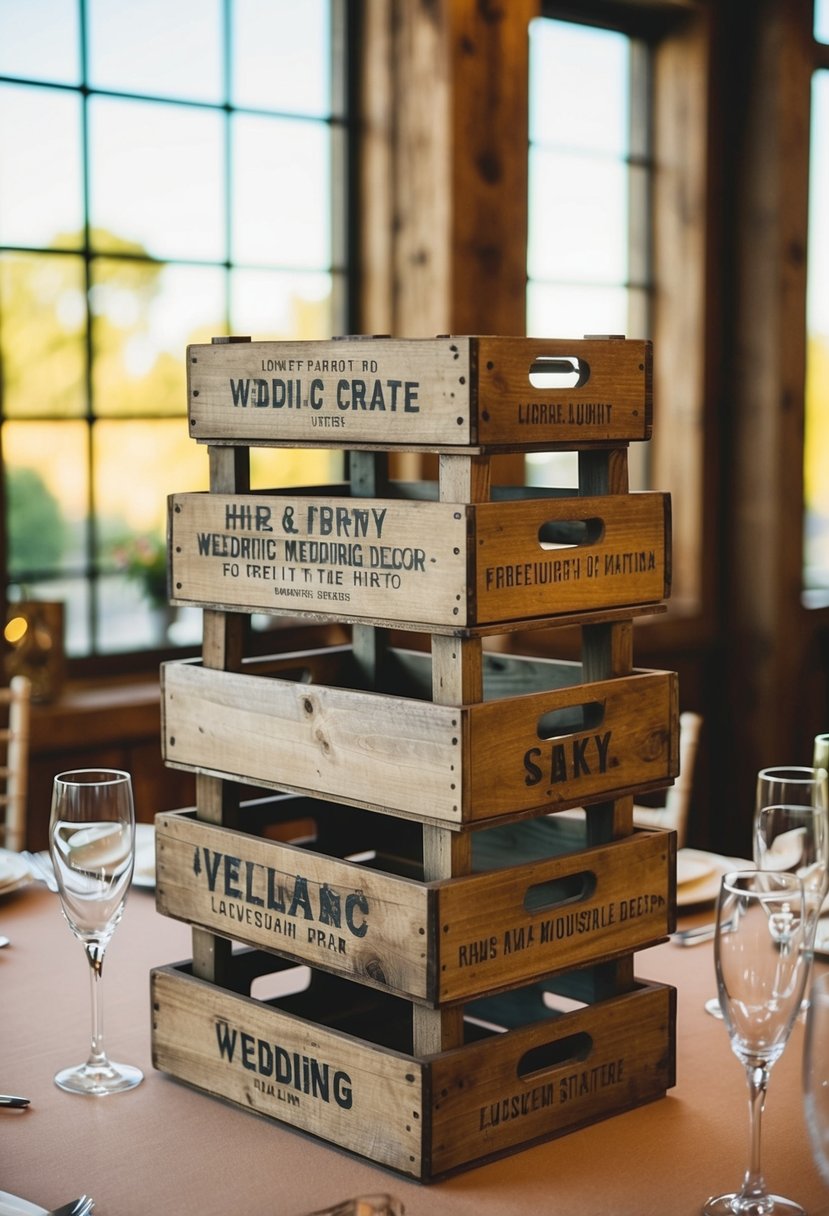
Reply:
x=171, y=1151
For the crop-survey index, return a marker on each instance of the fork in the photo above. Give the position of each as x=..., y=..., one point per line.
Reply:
x=75, y=1207
x=42, y=870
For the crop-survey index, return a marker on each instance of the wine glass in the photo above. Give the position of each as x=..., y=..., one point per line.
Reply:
x=92, y=846
x=816, y=1073
x=761, y=954
x=789, y=785
x=793, y=785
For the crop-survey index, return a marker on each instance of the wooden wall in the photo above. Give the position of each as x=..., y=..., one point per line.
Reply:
x=444, y=224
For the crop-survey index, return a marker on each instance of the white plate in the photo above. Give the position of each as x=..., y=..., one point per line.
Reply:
x=705, y=889
x=692, y=868
x=14, y=873
x=10, y=1205
x=143, y=874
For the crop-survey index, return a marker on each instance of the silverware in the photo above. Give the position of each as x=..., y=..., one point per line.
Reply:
x=41, y=868
x=4, y=941
x=75, y=1207
x=13, y=1100
x=695, y=937
x=364, y=1205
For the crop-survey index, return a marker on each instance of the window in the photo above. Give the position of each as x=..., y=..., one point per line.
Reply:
x=587, y=266
x=816, y=447
x=167, y=174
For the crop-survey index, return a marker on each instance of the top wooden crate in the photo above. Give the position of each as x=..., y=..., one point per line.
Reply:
x=478, y=394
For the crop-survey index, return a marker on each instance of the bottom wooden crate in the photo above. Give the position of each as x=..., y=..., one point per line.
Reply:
x=332, y=1058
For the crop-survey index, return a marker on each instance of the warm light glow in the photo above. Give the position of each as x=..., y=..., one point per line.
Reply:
x=16, y=630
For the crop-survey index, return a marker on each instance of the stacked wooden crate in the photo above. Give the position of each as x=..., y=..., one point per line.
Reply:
x=435, y=947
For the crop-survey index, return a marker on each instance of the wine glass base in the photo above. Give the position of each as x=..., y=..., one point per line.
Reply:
x=98, y=1082
x=712, y=1006
x=736, y=1205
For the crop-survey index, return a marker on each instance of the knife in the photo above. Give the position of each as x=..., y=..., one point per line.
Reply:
x=13, y=1100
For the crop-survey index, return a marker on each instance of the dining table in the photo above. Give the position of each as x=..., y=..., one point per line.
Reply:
x=167, y=1149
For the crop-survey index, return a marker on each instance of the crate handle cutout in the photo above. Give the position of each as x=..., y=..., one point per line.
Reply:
x=570, y=720
x=552, y=372
x=574, y=1049
x=570, y=533
x=560, y=892
x=290, y=981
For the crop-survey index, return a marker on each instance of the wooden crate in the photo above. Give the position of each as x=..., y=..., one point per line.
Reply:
x=303, y=722
x=483, y=394
x=334, y=1059
x=421, y=563
x=436, y=942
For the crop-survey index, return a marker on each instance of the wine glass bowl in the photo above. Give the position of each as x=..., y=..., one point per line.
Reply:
x=92, y=846
x=761, y=952
x=795, y=839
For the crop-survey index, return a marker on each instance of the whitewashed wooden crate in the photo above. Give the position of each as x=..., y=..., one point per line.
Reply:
x=334, y=1059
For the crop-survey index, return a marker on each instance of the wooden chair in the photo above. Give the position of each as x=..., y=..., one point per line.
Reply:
x=674, y=813
x=15, y=700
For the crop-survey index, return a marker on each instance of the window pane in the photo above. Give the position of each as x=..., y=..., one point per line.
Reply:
x=156, y=179
x=132, y=520
x=576, y=311
x=578, y=218
x=822, y=20
x=266, y=304
x=41, y=200
x=578, y=87
x=162, y=460
x=42, y=338
x=46, y=494
x=39, y=40
x=281, y=56
x=281, y=192
x=816, y=447
x=167, y=50
x=145, y=315
x=274, y=467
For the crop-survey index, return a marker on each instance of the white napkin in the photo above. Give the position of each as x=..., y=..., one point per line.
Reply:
x=144, y=871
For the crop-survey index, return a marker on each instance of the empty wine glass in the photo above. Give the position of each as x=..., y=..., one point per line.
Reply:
x=92, y=846
x=790, y=785
x=761, y=954
x=816, y=1073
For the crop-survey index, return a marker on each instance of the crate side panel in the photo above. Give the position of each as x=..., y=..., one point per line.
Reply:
x=357, y=557
x=360, y=922
x=610, y=401
x=388, y=392
x=499, y=1095
x=619, y=555
x=370, y=749
x=620, y=739
x=359, y=1097
x=503, y=929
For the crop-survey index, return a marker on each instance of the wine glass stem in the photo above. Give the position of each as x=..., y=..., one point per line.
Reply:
x=97, y=1054
x=754, y=1184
